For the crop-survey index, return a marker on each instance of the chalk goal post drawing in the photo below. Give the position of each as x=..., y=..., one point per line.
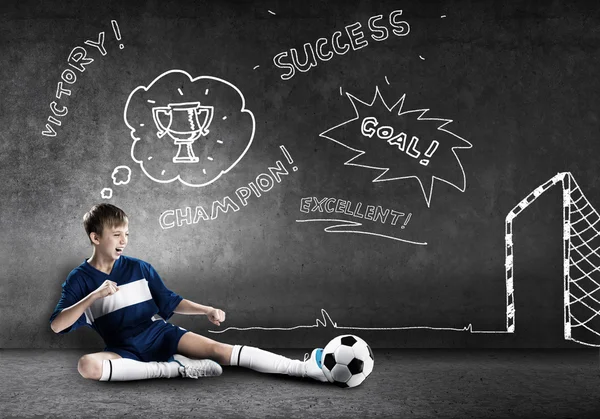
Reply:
x=581, y=261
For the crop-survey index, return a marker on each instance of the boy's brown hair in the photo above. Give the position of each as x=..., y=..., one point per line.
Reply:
x=103, y=215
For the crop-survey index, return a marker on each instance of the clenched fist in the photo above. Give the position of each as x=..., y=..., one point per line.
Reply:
x=107, y=288
x=216, y=316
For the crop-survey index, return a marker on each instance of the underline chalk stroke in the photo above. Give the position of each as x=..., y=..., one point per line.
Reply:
x=340, y=224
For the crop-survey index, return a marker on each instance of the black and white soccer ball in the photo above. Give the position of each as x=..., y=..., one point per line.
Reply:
x=347, y=361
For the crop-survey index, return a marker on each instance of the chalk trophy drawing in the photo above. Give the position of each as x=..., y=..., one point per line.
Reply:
x=188, y=129
x=401, y=144
x=581, y=271
x=183, y=127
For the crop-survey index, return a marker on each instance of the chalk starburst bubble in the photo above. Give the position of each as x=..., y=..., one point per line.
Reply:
x=401, y=144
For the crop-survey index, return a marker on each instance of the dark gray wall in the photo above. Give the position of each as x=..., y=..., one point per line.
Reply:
x=518, y=79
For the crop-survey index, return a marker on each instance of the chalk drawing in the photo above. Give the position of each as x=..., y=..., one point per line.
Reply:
x=354, y=37
x=581, y=260
x=326, y=320
x=288, y=157
x=121, y=175
x=197, y=130
x=117, y=32
x=387, y=140
x=375, y=213
x=79, y=58
x=263, y=183
x=106, y=193
x=341, y=224
x=183, y=126
x=581, y=270
x=406, y=221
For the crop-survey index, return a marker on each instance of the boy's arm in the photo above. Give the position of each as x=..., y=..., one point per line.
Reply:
x=190, y=307
x=69, y=315
x=215, y=315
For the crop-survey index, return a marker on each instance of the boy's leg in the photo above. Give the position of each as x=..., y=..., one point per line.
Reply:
x=197, y=346
x=110, y=366
x=90, y=365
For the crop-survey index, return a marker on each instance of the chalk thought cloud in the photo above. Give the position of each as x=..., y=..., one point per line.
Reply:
x=191, y=130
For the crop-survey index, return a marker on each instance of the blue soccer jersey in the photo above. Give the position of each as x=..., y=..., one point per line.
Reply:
x=117, y=317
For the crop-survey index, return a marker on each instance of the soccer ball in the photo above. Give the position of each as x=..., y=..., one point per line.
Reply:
x=347, y=361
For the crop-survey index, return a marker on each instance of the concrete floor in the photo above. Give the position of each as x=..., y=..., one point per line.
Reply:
x=404, y=384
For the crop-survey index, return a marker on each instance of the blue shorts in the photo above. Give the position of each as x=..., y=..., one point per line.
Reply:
x=157, y=343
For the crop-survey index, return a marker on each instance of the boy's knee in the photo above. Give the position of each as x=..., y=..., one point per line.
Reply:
x=221, y=353
x=90, y=367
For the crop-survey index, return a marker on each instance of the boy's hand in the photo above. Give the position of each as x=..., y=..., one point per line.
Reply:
x=216, y=316
x=107, y=288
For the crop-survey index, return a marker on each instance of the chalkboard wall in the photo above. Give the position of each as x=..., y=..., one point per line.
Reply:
x=313, y=168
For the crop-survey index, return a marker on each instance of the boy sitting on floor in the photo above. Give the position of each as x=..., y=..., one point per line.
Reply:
x=120, y=297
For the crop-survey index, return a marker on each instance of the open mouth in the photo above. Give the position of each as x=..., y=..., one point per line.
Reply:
x=119, y=249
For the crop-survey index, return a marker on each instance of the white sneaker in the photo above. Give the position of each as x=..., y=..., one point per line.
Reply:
x=312, y=365
x=196, y=368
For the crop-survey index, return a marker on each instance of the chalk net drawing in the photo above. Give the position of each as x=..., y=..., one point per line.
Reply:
x=581, y=261
x=581, y=268
x=186, y=129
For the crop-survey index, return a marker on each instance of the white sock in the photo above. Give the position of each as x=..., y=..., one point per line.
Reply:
x=124, y=369
x=264, y=361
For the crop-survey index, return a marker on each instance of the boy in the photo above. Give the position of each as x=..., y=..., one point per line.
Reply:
x=120, y=296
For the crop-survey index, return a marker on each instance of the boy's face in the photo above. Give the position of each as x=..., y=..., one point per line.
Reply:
x=112, y=241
